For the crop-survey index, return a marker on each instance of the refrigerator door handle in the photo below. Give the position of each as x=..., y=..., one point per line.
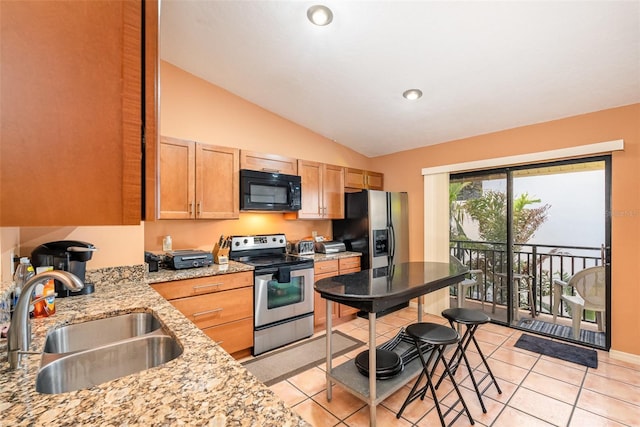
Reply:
x=392, y=240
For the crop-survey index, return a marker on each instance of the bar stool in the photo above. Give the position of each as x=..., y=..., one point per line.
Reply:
x=472, y=319
x=436, y=338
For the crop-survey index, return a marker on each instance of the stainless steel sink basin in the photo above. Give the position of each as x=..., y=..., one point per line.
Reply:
x=95, y=333
x=84, y=369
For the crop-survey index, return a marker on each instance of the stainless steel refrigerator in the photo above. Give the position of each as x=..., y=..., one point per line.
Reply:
x=377, y=224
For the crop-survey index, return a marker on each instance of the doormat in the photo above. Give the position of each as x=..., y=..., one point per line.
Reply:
x=281, y=364
x=570, y=353
x=562, y=331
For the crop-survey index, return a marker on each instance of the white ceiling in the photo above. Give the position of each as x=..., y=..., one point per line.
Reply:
x=483, y=66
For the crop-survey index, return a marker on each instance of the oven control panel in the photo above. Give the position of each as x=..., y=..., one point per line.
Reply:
x=266, y=241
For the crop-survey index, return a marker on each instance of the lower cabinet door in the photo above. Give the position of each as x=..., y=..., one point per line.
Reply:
x=233, y=336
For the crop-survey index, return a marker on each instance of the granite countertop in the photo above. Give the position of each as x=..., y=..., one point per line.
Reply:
x=167, y=275
x=382, y=288
x=203, y=386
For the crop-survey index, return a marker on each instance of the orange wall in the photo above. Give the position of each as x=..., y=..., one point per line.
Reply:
x=194, y=109
x=191, y=108
x=403, y=172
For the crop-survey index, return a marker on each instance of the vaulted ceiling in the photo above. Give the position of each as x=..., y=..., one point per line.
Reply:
x=482, y=66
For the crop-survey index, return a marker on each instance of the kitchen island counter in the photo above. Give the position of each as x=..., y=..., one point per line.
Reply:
x=203, y=386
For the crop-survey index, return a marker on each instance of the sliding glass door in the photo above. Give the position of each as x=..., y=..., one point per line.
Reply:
x=528, y=231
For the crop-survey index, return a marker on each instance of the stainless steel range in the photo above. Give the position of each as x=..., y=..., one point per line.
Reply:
x=283, y=290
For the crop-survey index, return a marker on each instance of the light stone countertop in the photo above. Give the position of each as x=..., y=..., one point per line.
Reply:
x=203, y=386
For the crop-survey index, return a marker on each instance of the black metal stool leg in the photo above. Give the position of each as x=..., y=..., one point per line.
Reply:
x=486, y=365
x=413, y=394
x=460, y=398
x=439, y=337
x=472, y=319
x=461, y=354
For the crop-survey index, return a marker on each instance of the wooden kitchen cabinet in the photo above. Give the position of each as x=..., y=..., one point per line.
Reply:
x=322, y=190
x=197, y=181
x=362, y=179
x=268, y=162
x=330, y=268
x=220, y=305
x=72, y=124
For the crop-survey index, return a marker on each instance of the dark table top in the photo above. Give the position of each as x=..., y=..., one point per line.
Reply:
x=376, y=290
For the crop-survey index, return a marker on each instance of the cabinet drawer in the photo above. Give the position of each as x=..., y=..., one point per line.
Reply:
x=349, y=264
x=217, y=308
x=233, y=336
x=203, y=285
x=323, y=267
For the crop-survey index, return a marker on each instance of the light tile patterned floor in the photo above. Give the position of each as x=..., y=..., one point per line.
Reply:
x=536, y=390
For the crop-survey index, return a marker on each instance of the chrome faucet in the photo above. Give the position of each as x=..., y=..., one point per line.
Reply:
x=20, y=328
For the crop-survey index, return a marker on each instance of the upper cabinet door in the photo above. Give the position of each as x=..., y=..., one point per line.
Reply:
x=217, y=182
x=333, y=191
x=197, y=181
x=177, y=179
x=360, y=179
x=322, y=190
x=354, y=178
x=268, y=162
x=374, y=180
x=71, y=113
x=311, y=177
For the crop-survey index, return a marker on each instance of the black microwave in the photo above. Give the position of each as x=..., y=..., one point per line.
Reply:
x=268, y=191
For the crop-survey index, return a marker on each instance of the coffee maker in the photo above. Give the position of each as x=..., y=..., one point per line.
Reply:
x=67, y=255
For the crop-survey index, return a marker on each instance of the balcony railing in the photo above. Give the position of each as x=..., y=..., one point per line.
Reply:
x=542, y=263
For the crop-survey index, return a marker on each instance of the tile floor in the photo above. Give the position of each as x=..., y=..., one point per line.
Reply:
x=536, y=390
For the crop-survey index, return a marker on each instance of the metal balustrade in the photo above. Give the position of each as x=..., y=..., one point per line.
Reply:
x=542, y=263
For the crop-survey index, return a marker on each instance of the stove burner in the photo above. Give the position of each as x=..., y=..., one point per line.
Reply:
x=265, y=251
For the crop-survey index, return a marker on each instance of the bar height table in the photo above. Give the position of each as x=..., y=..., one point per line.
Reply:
x=374, y=291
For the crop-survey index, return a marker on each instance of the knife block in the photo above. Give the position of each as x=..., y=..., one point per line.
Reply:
x=220, y=255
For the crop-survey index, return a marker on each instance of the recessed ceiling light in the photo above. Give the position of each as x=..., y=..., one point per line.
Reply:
x=412, y=94
x=320, y=15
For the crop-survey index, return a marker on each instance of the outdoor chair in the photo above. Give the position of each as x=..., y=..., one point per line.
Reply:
x=522, y=285
x=472, y=278
x=590, y=294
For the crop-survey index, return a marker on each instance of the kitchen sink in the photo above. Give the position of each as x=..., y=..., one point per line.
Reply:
x=95, y=333
x=86, y=354
x=60, y=373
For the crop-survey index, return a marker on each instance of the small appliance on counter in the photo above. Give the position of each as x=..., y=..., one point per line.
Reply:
x=330, y=247
x=188, y=258
x=153, y=261
x=66, y=255
x=300, y=247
